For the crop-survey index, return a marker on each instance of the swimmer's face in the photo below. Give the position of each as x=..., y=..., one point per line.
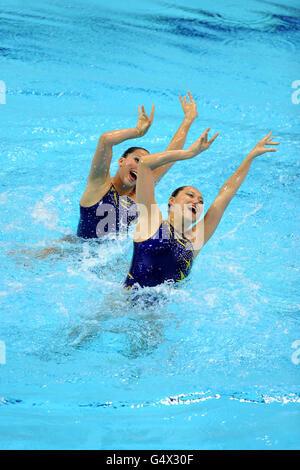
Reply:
x=128, y=167
x=188, y=203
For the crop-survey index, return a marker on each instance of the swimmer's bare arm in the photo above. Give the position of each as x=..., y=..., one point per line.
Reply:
x=156, y=160
x=190, y=114
x=99, y=171
x=149, y=213
x=201, y=232
x=57, y=249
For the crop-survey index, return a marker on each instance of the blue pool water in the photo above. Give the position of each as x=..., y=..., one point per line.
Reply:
x=214, y=364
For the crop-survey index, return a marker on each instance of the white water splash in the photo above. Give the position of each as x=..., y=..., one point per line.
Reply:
x=228, y=234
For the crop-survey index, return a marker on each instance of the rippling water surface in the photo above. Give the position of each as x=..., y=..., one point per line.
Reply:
x=213, y=364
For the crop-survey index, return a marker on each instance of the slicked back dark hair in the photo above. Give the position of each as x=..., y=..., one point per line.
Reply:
x=132, y=149
x=174, y=193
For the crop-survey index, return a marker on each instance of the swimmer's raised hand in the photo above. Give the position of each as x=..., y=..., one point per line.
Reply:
x=156, y=160
x=189, y=107
x=144, y=122
x=260, y=148
x=201, y=144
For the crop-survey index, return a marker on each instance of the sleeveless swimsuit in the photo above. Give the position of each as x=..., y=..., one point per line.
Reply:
x=166, y=256
x=112, y=214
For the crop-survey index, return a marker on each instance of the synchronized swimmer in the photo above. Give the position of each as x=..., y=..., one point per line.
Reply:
x=165, y=250
x=108, y=203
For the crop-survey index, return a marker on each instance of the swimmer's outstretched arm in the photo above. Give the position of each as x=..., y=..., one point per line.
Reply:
x=102, y=159
x=149, y=213
x=190, y=114
x=156, y=160
x=59, y=249
x=202, y=231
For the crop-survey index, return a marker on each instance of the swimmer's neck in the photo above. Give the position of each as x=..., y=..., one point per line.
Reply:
x=122, y=188
x=177, y=223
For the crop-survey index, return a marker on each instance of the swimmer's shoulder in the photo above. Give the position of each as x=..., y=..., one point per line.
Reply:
x=145, y=231
x=95, y=191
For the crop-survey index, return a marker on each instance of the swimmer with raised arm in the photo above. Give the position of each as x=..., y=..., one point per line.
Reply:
x=106, y=195
x=115, y=196
x=165, y=250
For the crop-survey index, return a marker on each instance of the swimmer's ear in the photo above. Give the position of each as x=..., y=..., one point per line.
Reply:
x=121, y=161
x=171, y=201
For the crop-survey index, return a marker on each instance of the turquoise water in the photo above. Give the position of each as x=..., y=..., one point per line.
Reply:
x=214, y=366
